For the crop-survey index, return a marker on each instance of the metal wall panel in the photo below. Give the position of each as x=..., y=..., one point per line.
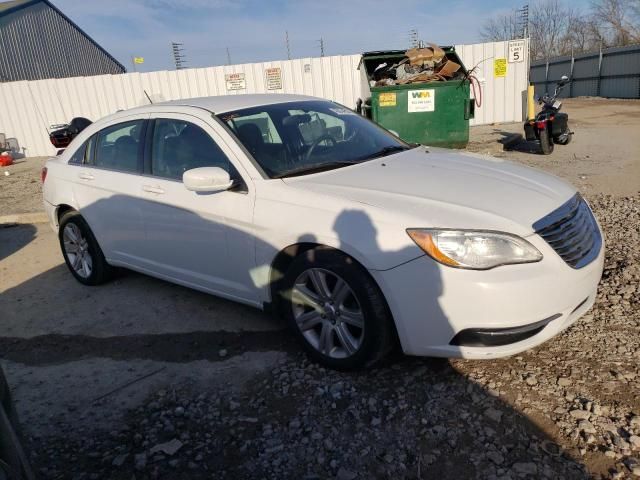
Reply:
x=27, y=109
x=37, y=42
x=618, y=76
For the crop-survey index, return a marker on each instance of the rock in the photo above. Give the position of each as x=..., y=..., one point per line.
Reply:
x=634, y=440
x=496, y=457
x=493, y=414
x=531, y=380
x=636, y=471
x=586, y=426
x=564, y=381
x=580, y=414
x=179, y=411
x=222, y=353
x=119, y=460
x=170, y=447
x=526, y=468
x=344, y=474
x=140, y=461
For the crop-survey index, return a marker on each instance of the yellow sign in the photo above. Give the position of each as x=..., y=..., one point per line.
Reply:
x=138, y=60
x=500, y=67
x=388, y=99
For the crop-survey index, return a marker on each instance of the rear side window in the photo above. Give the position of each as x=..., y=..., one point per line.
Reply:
x=119, y=147
x=83, y=154
x=179, y=146
x=78, y=157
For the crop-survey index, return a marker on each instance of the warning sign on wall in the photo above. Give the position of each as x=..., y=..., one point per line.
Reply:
x=500, y=67
x=273, y=78
x=235, y=81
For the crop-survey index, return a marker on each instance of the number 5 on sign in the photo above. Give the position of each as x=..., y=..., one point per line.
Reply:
x=516, y=51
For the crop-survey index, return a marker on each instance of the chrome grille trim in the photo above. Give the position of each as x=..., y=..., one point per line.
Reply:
x=572, y=231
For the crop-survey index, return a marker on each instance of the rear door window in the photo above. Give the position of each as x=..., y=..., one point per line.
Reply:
x=178, y=146
x=119, y=147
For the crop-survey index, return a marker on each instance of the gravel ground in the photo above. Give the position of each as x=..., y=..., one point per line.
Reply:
x=568, y=409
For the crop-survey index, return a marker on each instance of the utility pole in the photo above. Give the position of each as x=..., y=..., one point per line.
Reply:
x=286, y=37
x=523, y=20
x=178, y=55
x=228, y=57
x=321, y=41
x=414, y=41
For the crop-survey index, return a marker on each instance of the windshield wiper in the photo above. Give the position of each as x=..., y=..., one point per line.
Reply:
x=388, y=150
x=317, y=167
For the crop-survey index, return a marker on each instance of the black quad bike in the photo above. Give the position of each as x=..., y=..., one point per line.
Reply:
x=550, y=125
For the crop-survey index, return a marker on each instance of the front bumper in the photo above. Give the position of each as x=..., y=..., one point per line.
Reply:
x=432, y=304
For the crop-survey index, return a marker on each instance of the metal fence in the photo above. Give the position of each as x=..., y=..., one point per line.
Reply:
x=28, y=109
x=614, y=73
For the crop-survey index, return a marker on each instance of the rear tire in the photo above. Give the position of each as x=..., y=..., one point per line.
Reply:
x=343, y=324
x=546, y=143
x=81, y=251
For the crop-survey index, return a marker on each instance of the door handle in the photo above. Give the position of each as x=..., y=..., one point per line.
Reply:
x=85, y=176
x=152, y=189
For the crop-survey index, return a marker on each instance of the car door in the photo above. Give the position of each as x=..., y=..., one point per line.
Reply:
x=198, y=239
x=107, y=188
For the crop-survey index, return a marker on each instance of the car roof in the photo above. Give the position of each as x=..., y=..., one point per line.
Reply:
x=229, y=103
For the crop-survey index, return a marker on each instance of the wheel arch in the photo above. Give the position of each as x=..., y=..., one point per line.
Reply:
x=286, y=256
x=62, y=209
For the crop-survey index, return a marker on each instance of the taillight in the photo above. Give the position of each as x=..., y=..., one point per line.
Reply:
x=541, y=124
x=43, y=174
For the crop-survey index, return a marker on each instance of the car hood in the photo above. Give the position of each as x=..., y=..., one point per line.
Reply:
x=445, y=188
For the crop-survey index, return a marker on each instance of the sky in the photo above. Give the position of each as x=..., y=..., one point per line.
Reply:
x=254, y=30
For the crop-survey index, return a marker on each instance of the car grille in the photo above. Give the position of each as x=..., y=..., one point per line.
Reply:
x=572, y=232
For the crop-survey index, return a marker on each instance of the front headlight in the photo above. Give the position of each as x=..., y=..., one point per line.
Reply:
x=474, y=250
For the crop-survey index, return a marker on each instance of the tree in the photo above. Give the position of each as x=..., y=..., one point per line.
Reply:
x=504, y=27
x=555, y=28
x=616, y=19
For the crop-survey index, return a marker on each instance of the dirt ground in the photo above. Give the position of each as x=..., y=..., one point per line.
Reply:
x=103, y=375
x=603, y=156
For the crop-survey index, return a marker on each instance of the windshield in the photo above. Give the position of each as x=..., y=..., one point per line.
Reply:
x=297, y=138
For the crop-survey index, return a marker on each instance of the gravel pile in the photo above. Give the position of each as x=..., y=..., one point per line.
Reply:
x=569, y=409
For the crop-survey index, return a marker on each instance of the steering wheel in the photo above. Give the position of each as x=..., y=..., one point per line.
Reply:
x=317, y=142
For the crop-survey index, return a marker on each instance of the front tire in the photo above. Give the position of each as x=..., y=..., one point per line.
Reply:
x=546, y=144
x=81, y=251
x=337, y=311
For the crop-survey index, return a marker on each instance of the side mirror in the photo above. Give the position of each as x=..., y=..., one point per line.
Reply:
x=207, y=179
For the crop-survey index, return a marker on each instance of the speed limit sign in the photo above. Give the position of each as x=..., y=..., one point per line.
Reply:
x=516, y=51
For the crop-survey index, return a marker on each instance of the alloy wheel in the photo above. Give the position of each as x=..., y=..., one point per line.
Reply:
x=76, y=248
x=327, y=312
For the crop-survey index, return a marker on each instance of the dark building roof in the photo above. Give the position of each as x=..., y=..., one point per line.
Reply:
x=39, y=41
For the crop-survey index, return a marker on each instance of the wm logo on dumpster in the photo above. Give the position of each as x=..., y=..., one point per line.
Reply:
x=422, y=94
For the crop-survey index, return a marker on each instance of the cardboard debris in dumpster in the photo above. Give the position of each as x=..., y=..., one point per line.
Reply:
x=417, y=65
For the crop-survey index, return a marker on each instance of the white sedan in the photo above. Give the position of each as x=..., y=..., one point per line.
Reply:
x=299, y=206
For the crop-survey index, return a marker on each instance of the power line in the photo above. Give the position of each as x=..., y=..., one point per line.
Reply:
x=179, y=59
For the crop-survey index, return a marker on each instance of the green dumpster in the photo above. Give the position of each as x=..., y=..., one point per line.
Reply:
x=434, y=113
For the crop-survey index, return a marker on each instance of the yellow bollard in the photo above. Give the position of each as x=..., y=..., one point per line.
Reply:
x=531, y=107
